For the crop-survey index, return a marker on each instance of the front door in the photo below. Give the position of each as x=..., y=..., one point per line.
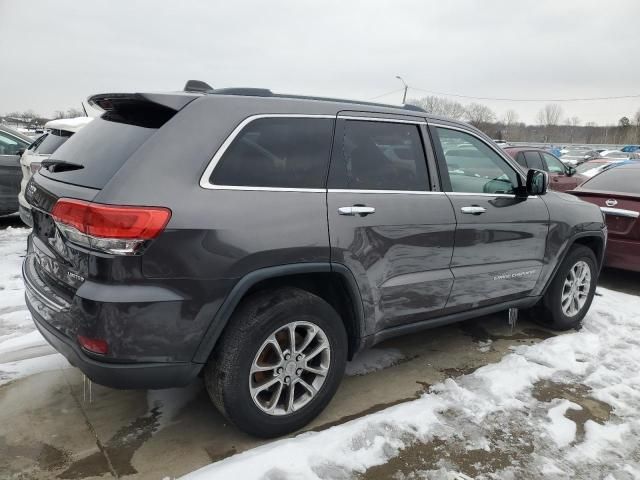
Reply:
x=500, y=238
x=558, y=178
x=385, y=223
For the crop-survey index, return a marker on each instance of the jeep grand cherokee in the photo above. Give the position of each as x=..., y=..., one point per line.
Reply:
x=262, y=240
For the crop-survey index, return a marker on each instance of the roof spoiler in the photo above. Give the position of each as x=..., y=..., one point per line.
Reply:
x=197, y=86
x=111, y=101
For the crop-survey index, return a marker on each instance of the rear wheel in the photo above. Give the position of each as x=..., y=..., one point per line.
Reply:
x=570, y=294
x=278, y=363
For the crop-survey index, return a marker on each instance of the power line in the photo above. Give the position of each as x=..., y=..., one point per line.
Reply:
x=388, y=93
x=525, y=99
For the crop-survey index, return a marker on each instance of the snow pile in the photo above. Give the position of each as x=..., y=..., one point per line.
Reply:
x=17, y=331
x=372, y=360
x=496, y=402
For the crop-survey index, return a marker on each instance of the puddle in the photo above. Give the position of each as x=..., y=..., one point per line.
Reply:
x=120, y=449
x=481, y=335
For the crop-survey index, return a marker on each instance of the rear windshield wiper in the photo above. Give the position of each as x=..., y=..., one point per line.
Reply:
x=60, y=165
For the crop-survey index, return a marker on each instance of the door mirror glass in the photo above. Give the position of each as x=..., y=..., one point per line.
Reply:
x=537, y=182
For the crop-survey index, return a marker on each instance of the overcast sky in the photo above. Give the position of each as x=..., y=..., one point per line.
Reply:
x=56, y=53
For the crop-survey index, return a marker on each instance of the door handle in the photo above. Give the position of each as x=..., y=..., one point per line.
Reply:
x=473, y=210
x=356, y=210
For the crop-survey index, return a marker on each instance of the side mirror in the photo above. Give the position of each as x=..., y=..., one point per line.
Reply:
x=20, y=152
x=537, y=182
x=571, y=171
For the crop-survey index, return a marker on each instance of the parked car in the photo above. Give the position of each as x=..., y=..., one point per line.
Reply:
x=617, y=154
x=261, y=240
x=630, y=148
x=56, y=133
x=594, y=167
x=617, y=192
x=576, y=157
x=562, y=177
x=12, y=144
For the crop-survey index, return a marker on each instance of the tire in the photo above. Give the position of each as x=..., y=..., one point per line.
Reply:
x=550, y=312
x=259, y=318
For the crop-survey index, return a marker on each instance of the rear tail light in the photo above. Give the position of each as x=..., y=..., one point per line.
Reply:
x=94, y=345
x=34, y=167
x=120, y=230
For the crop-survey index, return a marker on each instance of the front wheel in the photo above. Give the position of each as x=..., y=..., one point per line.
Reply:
x=570, y=294
x=278, y=363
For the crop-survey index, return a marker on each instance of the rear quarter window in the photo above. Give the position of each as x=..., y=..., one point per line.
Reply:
x=277, y=153
x=52, y=142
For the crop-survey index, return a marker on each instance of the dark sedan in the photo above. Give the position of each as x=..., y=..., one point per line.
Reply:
x=12, y=144
x=617, y=192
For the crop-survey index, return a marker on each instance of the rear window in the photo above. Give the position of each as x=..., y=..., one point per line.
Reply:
x=533, y=160
x=52, y=141
x=102, y=147
x=278, y=153
x=621, y=180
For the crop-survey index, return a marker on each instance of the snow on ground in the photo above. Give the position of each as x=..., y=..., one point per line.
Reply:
x=373, y=359
x=17, y=331
x=496, y=409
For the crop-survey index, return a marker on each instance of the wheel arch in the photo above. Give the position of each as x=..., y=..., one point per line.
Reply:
x=594, y=240
x=332, y=282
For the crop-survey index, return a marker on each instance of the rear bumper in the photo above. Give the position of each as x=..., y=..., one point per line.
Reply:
x=117, y=375
x=108, y=372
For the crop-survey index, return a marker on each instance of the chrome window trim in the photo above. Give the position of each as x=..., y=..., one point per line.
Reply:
x=206, y=175
x=417, y=121
x=510, y=161
x=406, y=192
x=620, y=212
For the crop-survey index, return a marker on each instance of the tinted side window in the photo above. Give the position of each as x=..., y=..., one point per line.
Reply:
x=520, y=159
x=553, y=164
x=37, y=142
x=622, y=180
x=379, y=156
x=533, y=160
x=473, y=166
x=279, y=153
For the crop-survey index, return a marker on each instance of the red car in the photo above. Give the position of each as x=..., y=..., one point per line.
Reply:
x=561, y=177
x=617, y=192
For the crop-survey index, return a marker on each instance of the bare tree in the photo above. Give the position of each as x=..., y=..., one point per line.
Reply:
x=550, y=115
x=74, y=112
x=478, y=114
x=440, y=106
x=510, y=117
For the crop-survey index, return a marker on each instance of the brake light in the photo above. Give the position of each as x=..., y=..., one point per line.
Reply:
x=95, y=345
x=110, y=228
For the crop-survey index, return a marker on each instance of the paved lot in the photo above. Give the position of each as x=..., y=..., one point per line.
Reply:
x=50, y=428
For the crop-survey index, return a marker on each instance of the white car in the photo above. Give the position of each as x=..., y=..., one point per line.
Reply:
x=619, y=155
x=56, y=133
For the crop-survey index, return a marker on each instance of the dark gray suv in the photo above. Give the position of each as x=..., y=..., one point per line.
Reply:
x=262, y=240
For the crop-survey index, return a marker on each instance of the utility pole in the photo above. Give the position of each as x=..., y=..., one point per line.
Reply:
x=404, y=97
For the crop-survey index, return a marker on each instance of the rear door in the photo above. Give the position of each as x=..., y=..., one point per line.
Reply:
x=10, y=173
x=500, y=238
x=558, y=174
x=388, y=223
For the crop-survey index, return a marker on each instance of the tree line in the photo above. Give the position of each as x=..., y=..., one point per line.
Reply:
x=552, y=125
x=32, y=119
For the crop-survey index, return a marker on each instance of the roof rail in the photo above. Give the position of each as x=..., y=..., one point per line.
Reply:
x=203, y=87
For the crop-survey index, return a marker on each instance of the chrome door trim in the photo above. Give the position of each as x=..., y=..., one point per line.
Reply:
x=206, y=175
x=620, y=212
x=406, y=192
x=417, y=121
